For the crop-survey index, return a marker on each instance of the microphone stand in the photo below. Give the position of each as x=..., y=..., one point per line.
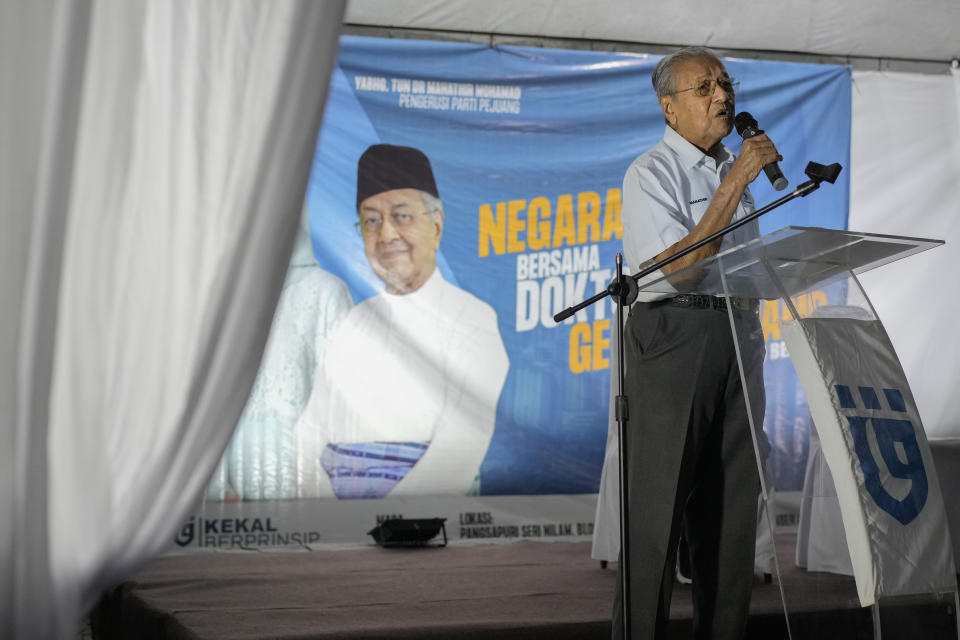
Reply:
x=624, y=290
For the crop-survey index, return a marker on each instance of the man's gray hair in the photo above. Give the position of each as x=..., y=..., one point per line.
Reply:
x=432, y=203
x=663, y=73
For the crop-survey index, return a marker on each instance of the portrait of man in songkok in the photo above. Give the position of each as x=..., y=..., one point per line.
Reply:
x=406, y=395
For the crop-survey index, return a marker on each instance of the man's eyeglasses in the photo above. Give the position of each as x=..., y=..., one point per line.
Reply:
x=371, y=222
x=709, y=85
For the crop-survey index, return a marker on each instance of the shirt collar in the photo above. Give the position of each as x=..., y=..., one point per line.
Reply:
x=688, y=153
x=429, y=289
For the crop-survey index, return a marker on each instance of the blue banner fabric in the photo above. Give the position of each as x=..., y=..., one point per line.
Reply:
x=528, y=148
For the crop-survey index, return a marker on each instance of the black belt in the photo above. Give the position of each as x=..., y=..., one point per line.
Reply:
x=696, y=301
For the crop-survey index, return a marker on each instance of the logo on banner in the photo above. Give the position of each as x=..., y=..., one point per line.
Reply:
x=185, y=536
x=896, y=441
x=240, y=533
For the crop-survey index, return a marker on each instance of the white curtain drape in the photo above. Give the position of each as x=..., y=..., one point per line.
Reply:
x=153, y=162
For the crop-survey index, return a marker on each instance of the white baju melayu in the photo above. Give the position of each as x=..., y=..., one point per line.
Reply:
x=260, y=462
x=425, y=367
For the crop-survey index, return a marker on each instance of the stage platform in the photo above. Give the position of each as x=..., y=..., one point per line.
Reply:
x=520, y=590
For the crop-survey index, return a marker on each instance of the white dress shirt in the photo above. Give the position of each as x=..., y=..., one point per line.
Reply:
x=666, y=191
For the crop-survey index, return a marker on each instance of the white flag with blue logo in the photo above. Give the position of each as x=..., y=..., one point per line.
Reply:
x=878, y=455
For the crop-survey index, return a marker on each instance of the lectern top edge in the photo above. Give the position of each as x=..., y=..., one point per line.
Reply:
x=802, y=257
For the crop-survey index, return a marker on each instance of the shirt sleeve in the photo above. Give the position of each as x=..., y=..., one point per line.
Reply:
x=652, y=221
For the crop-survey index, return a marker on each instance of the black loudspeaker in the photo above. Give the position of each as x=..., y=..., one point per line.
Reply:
x=415, y=532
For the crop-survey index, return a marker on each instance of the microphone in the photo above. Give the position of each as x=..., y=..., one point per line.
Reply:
x=747, y=127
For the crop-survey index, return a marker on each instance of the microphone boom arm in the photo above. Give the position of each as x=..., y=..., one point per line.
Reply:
x=816, y=172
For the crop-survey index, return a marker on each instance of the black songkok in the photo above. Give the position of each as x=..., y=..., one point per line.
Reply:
x=384, y=167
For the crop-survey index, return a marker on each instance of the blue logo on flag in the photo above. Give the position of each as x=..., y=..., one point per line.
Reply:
x=889, y=432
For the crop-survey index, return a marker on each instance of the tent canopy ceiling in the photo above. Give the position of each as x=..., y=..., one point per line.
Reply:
x=921, y=30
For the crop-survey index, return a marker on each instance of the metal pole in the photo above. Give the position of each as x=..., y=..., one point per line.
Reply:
x=622, y=414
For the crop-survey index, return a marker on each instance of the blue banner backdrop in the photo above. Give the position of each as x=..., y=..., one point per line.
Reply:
x=529, y=147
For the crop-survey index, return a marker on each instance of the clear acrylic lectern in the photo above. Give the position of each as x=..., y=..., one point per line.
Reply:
x=805, y=283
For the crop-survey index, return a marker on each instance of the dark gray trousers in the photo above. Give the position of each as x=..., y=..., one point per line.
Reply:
x=690, y=460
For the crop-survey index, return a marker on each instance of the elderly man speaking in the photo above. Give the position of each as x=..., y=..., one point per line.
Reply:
x=406, y=397
x=690, y=451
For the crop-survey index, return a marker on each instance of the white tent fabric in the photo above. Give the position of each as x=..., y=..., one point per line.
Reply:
x=153, y=158
x=918, y=30
x=905, y=165
x=154, y=161
x=904, y=172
